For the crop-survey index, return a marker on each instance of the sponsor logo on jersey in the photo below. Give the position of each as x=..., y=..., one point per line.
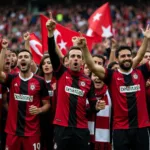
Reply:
x=130, y=89
x=74, y=91
x=24, y=98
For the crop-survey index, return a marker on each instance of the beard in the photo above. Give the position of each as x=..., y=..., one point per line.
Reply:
x=124, y=67
x=13, y=65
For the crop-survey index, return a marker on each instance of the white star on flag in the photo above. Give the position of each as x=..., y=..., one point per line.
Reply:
x=56, y=34
x=97, y=17
x=106, y=31
x=62, y=44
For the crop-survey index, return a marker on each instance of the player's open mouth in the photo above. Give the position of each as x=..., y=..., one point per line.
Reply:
x=75, y=64
x=7, y=63
x=23, y=64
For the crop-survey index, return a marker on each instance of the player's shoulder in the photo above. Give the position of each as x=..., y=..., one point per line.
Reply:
x=39, y=78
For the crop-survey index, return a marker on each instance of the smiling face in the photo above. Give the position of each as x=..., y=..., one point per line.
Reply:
x=47, y=66
x=125, y=60
x=98, y=84
x=24, y=61
x=75, y=59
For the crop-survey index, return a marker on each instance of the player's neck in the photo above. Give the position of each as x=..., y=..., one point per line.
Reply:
x=48, y=77
x=26, y=75
x=125, y=71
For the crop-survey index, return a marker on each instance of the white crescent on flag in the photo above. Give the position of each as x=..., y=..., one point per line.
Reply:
x=34, y=44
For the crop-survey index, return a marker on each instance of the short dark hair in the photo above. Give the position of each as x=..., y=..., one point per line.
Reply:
x=15, y=52
x=122, y=48
x=112, y=64
x=100, y=56
x=25, y=50
x=74, y=48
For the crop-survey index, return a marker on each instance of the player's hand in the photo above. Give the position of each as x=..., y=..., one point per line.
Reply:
x=26, y=36
x=51, y=25
x=113, y=44
x=148, y=83
x=34, y=110
x=80, y=41
x=4, y=44
x=146, y=32
x=100, y=105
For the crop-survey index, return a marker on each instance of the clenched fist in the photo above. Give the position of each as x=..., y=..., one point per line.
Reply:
x=51, y=25
x=100, y=105
x=4, y=44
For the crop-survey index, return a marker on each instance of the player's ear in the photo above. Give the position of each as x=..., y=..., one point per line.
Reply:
x=32, y=62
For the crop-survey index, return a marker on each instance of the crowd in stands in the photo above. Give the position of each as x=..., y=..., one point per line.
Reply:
x=127, y=21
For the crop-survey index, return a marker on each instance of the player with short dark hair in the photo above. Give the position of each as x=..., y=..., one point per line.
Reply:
x=27, y=92
x=127, y=89
x=73, y=88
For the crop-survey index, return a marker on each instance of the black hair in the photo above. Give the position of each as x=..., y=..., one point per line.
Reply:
x=122, y=48
x=73, y=48
x=25, y=50
x=112, y=64
x=100, y=56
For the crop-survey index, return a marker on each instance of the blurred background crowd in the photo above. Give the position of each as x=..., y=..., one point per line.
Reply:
x=127, y=20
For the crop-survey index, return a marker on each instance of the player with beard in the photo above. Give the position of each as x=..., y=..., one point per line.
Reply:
x=127, y=89
x=71, y=131
x=27, y=92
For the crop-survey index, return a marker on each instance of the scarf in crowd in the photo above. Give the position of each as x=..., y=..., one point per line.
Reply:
x=99, y=123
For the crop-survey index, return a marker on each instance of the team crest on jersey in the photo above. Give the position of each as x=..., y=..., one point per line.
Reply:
x=82, y=83
x=135, y=76
x=32, y=87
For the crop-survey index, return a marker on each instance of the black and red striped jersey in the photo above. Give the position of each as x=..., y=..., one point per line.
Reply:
x=23, y=94
x=128, y=96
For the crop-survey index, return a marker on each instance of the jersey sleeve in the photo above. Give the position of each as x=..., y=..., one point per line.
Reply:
x=108, y=76
x=8, y=80
x=58, y=67
x=145, y=69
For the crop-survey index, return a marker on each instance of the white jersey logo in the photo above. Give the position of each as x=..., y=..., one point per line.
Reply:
x=23, y=98
x=74, y=91
x=130, y=89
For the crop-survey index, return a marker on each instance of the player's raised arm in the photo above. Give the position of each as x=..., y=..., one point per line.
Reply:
x=98, y=70
x=2, y=57
x=143, y=48
x=51, y=25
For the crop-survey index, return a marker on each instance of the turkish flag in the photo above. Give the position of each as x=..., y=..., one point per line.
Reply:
x=63, y=36
x=36, y=48
x=100, y=21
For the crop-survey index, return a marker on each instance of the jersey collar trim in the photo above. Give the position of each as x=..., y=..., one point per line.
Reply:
x=25, y=79
x=126, y=73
